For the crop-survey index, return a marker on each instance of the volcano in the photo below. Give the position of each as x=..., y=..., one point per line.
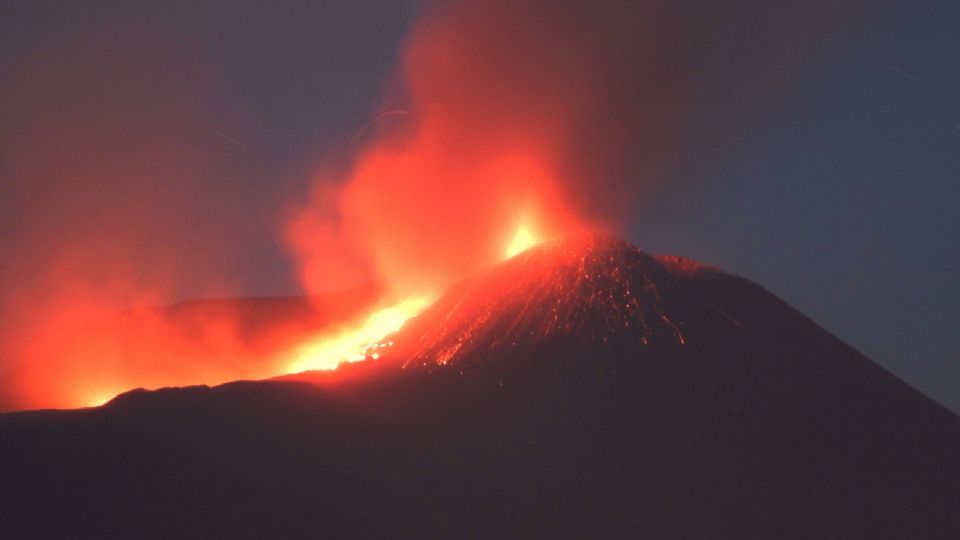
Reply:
x=579, y=389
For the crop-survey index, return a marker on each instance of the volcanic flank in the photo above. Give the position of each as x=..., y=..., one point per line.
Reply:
x=579, y=389
x=590, y=293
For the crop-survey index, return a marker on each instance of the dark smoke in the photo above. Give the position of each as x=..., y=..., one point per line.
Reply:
x=636, y=94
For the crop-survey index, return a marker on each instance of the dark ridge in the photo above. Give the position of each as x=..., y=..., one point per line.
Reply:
x=683, y=266
x=582, y=389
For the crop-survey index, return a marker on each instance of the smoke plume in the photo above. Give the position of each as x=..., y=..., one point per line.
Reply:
x=553, y=116
x=503, y=120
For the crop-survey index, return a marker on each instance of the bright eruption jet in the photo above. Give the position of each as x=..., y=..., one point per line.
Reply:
x=523, y=240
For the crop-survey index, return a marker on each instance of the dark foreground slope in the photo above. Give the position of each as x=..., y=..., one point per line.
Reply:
x=583, y=389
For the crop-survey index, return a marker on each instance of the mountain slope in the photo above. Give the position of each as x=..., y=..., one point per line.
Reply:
x=582, y=389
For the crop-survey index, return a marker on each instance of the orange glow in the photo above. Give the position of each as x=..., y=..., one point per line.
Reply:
x=358, y=343
x=429, y=204
x=523, y=240
x=96, y=400
x=488, y=139
x=90, y=360
x=87, y=353
x=505, y=124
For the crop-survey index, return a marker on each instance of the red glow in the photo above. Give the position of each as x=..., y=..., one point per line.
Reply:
x=481, y=173
x=355, y=342
x=513, y=123
x=86, y=353
x=476, y=178
x=443, y=198
x=523, y=240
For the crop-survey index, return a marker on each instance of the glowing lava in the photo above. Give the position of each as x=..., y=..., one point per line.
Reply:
x=523, y=240
x=356, y=344
x=364, y=342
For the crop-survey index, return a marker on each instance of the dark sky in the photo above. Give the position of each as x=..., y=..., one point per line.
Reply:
x=838, y=191
x=841, y=195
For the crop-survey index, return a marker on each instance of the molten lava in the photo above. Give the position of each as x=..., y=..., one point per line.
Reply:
x=585, y=290
x=367, y=341
x=356, y=344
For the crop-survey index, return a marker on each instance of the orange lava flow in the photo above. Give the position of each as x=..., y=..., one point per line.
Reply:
x=358, y=343
x=366, y=341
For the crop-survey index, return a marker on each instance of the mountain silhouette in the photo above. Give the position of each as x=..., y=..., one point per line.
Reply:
x=581, y=389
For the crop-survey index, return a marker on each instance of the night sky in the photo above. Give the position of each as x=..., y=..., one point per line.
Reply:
x=841, y=195
x=838, y=190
